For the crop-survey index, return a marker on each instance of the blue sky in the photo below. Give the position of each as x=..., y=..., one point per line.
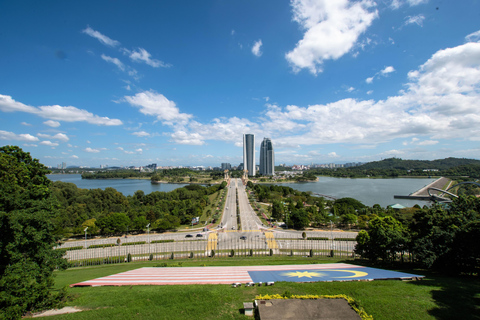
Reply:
x=179, y=82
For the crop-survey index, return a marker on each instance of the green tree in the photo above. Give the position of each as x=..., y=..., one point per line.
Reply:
x=385, y=238
x=27, y=257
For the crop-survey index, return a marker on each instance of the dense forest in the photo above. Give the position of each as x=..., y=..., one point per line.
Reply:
x=110, y=212
x=394, y=167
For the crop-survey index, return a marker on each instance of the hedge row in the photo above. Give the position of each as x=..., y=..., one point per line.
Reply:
x=97, y=261
x=345, y=239
x=317, y=238
x=104, y=245
x=133, y=243
x=162, y=241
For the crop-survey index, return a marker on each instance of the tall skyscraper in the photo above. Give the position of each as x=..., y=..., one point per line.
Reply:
x=249, y=153
x=267, y=158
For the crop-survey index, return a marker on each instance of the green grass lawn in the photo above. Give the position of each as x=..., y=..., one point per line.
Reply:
x=435, y=297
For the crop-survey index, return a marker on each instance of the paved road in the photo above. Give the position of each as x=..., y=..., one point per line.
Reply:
x=252, y=236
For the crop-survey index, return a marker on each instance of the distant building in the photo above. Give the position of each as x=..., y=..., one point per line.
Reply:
x=249, y=153
x=267, y=158
x=226, y=166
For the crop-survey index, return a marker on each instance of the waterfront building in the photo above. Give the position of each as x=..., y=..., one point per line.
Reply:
x=267, y=158
x=249, y=153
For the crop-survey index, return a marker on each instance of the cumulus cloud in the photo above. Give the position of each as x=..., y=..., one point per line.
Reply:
x=56, y=112
x=74, y=156
x=49, y=143
x=23, y=123
x=59, y=136
x=332, y=28
x=51, y=123
x=384, y=73
x=94, y=150
x=7, y=135
x=440, y=102
x=115, y=61
x=100, y=37
x=156, y=104
x=256, y=48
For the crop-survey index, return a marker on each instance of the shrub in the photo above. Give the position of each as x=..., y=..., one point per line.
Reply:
x=172, y=256
x=103, y=245
x=161, y=241
x=151, y=257
x=232, y=253
x=129, y=258
x=133, y=243
x=191, y=254
x=213, y=253
x=317, y=238
x=271, y=252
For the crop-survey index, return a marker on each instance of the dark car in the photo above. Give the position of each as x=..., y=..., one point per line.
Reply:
x=189, y=236
x=243, y=238
x=199, y=235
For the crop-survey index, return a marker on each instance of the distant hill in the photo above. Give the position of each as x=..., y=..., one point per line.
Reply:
x=399, y=164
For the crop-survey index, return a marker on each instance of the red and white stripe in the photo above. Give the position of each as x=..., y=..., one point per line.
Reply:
x=197, y=275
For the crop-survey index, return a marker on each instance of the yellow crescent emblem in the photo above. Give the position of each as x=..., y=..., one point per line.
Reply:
x=356, y=274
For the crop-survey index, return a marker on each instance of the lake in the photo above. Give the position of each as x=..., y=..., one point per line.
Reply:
x=125, y=186
x=368, y=191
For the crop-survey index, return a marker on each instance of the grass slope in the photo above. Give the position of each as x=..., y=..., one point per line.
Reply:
x=435, y=297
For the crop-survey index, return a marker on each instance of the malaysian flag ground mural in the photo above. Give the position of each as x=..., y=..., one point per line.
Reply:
x=245, y=274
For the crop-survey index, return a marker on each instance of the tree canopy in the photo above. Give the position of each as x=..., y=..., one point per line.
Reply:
x=27, y=257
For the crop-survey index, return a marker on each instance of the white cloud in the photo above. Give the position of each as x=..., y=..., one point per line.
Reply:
x=100, y=37
x=473, y=37
x=25, y=124
x=427, y=143
x=93, y=150
x=74, y=156
x=49, y=143
x=156, y=104
x=387, y=70
x=350, y=89
x=418, y=20
x=142, y=55
x=383, y=72
x=141, y=134
x=333, y=155
x=56, y=112
x=51, y=123
x=256, y=48
x=6, y=135
x=369, y=92
x=115, y=61
x=398, y=3
x=59, y=136
x=332, y=28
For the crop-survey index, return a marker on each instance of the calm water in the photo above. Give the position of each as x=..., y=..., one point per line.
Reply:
x=125, y=186
x=368, y=191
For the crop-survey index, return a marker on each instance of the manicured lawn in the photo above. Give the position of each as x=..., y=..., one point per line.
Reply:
x=435, y=297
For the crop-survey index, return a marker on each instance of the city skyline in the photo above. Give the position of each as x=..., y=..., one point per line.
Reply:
x=177, y=84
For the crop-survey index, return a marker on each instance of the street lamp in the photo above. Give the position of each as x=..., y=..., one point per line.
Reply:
x=148, y=233
x=85, y=237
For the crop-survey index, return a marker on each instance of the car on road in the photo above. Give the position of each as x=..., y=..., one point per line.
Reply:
x=189, y=236
x=199, y=235
x=233, y=228
x=243, y=238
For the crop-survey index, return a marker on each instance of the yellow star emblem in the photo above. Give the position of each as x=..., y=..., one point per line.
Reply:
x=306, y=274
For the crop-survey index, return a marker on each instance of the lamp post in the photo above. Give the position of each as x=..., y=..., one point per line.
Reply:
x=148, y=237
x=85, y=237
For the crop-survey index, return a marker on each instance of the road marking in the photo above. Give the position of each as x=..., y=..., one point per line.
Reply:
x=272, y=244
x=212, y=241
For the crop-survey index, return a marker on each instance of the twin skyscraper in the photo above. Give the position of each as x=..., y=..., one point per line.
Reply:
x=267, y=156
